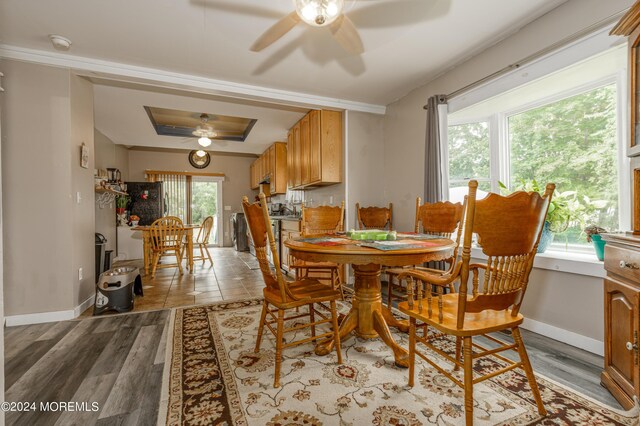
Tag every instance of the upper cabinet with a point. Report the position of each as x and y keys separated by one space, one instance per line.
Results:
x=315 y=150
x=271 y=166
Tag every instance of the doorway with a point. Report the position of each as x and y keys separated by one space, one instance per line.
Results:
x=206 y=200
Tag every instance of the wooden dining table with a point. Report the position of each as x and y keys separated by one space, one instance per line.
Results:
x=368 y=316
x=146 y=238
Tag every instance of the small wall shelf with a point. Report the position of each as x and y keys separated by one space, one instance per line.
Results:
x=107 y=196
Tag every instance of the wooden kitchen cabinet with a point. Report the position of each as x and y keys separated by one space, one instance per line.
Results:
x=289 y=228
x=315 y=143
x=272 y=164
x=621 y=373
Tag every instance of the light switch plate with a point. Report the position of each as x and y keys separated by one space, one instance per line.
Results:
x=80 y=274
x=78 y=197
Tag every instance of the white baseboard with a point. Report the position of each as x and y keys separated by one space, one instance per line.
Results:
x=569 y=337
x=84 y=305
x=42 y=317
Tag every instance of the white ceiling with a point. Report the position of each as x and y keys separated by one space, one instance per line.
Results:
x=407 y=42
x=119 y=114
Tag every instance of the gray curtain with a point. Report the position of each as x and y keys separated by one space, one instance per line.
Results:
x=433 y=152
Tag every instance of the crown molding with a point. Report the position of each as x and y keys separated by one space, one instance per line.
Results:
x=91 y=67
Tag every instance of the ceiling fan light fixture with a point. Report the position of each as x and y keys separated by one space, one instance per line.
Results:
x=200 y=153
x=204 y=141
x=318 y=13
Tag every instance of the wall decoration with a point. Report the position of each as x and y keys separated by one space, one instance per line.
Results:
x=84 y=156
x=199 y=159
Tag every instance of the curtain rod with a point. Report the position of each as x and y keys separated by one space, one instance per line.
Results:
x=540 y=53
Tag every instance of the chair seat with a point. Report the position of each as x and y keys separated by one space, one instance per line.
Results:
x=306 y=291
x=475 y=324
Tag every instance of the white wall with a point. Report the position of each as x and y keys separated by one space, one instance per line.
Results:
x=570 y=302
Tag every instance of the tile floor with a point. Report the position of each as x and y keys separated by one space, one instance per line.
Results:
x=234 y=275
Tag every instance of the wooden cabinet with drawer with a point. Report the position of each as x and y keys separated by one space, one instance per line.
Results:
x=289 y=228
x=621 y=373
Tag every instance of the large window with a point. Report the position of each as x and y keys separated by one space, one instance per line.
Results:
x=569 y=138
x=571 y=142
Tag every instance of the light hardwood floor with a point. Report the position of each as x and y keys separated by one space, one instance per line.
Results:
x=117 y=360
x=233 y=275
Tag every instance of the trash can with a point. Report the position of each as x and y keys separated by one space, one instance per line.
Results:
x=108 y=258
x=101 y=243
x=115 y=290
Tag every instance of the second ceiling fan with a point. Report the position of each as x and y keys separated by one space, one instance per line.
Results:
x=317 y=13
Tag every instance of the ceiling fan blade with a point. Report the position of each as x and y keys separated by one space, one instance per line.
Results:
x=274 y=33
x=347 y=35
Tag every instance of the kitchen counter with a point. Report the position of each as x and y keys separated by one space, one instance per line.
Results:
x=287 y=217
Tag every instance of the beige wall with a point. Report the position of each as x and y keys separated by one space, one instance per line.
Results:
x=83 y=244
x=37 y=196
x=235 y=168
x=108 y=155
x=567 y=301
x=365 y=158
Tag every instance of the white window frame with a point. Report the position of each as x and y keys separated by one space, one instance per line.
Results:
x=500 y=162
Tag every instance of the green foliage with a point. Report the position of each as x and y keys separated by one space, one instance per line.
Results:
x=469 y=151
x=122 y=201
x=572 y=143
x=203 y=200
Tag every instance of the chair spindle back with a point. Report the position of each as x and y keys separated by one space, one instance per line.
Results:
x=166 y=232
x=508 y=230
x=205 y=230
x=322 y=220
x=257 y=216
x=375 y=217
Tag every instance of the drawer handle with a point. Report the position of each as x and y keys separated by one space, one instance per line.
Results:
x=629 y=265
x=630 y=346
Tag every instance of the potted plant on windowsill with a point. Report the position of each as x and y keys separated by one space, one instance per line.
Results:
x=593 y=236
x=558 y=216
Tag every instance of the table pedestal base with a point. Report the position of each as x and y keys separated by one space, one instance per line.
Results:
x=368 y=317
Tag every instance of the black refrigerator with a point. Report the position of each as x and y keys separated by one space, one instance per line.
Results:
x=147 y=201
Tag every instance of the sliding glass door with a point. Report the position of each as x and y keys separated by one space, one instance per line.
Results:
x=206 y=201
x=192 y=199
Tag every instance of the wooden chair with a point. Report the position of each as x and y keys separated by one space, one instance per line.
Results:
x=285 y=295
x=443 y=219
x=202 y=240
x=508 y=230
x=166 y=236
x=315 y=221
x=375 y=217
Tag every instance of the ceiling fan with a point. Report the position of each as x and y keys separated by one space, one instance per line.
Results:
x=317 y=13
x=204 y=131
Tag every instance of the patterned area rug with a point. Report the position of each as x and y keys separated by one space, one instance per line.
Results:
x=212 y=377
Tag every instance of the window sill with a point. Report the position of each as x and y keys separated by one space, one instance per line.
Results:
x=561 y=261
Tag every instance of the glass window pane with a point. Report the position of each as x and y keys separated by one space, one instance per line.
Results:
x=204 y=202
x=469 y=152
x=573 y=143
